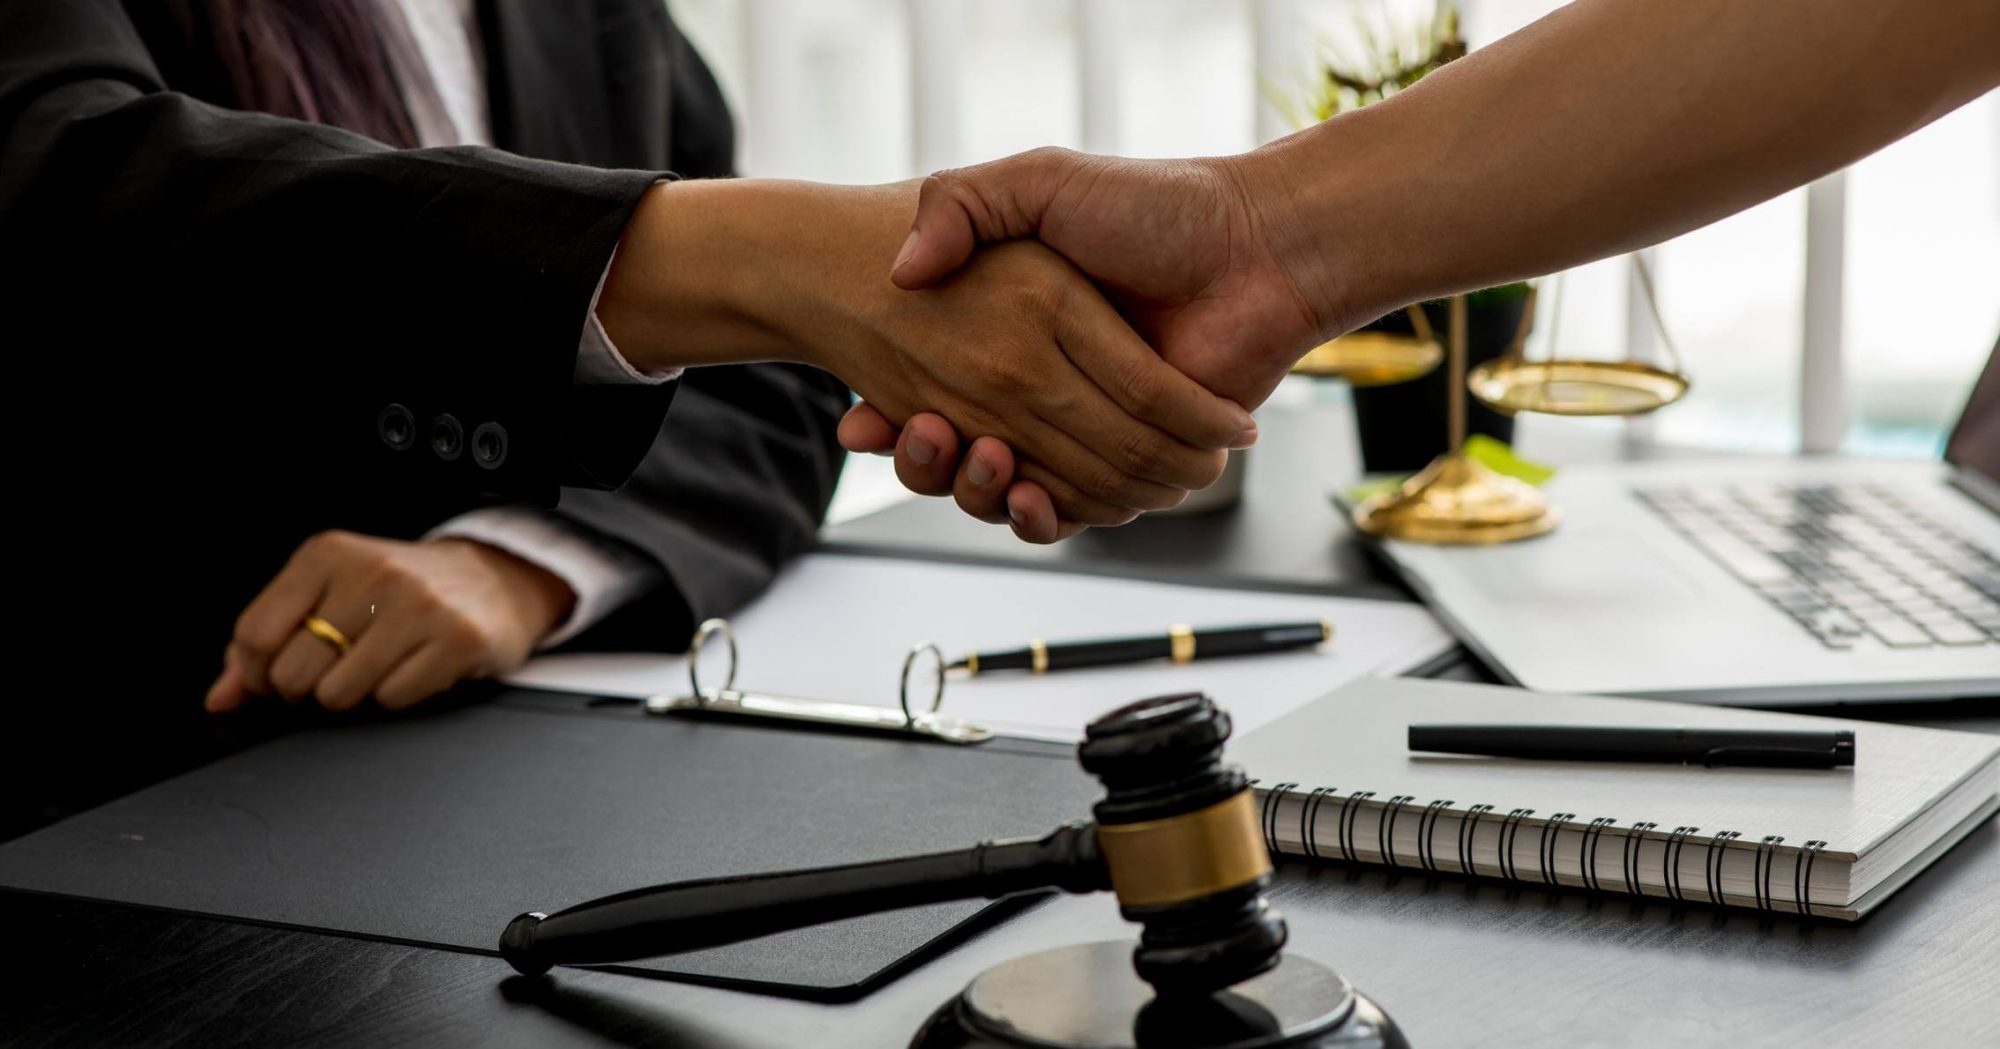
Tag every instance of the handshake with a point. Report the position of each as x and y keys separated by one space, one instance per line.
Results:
x=1062 y=340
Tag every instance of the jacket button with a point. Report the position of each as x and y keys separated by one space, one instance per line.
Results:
x=447 y=438
x=397 y=427
x=489 y=445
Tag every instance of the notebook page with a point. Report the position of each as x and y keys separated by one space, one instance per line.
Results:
x=838 y=627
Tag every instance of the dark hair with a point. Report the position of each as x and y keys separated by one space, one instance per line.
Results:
x=326 y=61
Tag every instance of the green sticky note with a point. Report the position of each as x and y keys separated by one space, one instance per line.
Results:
x=1498 y=457
x=1495 y=455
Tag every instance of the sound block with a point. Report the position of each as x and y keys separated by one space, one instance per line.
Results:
x=1087 y=997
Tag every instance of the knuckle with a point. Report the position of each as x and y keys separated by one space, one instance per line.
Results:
x=331 y=542
x=1113 y=486
x=258 y=635
x=1039 y=301
x=1141 y=388
x=335 y=695
x=385 y=577
x=1143 y=454
x=949 y=183
x=1049 y=156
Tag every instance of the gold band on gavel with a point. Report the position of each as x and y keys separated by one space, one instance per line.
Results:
x=1181 y=636
x=1186 y=857
x=1038 y=656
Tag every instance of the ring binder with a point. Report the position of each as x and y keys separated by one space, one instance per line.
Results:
x=728 y=701
x=1718 y=850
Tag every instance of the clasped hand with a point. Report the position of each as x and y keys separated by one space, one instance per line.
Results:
x=1183 y=249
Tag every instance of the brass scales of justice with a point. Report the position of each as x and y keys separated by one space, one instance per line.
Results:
x=1457 y=500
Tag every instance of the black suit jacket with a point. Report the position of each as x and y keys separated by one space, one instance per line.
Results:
x=229 y=331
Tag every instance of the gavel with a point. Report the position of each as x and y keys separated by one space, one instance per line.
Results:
x=1175 y=837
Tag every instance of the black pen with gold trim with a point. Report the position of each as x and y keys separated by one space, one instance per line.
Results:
x=1181 y=644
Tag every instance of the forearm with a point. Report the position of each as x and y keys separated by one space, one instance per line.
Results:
x=739 y=271
x=1609 y=125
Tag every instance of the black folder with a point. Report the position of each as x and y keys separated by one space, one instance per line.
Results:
x=436 y=830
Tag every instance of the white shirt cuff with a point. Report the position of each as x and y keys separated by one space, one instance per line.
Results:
x=598 y=362
x=604 y=575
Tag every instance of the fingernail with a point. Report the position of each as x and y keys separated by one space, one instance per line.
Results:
x=980 y=472
x=1015 y=515
x=1245 y=437
x=909 y=249
x=922 y=452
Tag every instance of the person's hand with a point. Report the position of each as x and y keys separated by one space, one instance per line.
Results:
x=1019 y=347
x=1183 y=247
x=419 y=617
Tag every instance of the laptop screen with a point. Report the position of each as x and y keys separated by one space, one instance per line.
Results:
x=1975 y=444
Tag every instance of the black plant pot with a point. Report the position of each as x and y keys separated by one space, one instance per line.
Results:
x=1406 y=425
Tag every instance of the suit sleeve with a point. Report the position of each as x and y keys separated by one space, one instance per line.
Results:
x=428 y=300
x=737 y=485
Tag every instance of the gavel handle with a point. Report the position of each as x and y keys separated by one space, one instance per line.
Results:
x=691 y=915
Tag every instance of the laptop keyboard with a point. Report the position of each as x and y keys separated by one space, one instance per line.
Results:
x=1847 y=561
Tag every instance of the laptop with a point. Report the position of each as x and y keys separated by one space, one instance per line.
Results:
x=1771 y=582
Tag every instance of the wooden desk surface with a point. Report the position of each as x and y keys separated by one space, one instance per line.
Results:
x=1455 y=963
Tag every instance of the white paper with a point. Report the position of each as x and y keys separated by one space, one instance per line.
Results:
x=838 y=627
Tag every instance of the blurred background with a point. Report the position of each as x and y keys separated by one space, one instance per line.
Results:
x=1905 y=300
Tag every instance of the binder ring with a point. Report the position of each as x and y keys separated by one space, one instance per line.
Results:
x=1385 y=829
x=729 y=702
x=708 y=629
x=1309 y=821
x=937 y=694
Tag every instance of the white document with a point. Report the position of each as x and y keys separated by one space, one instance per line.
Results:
x=838 y=627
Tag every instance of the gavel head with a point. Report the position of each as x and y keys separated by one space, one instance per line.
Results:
x=1180 y=841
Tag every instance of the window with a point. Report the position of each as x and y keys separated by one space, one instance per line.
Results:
x=828 y=89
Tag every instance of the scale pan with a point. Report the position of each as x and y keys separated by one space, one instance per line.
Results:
x=1575 y=387
x=1372 y=358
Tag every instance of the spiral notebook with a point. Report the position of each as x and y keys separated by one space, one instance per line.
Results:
x=1336 y=781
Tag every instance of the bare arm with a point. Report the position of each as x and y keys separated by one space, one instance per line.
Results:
x=1607 y=126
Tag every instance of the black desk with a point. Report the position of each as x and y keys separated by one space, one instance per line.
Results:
x=1457 y=964
x=1287 y=535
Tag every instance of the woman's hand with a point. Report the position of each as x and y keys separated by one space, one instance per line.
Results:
x=1018 y=346
x=418 y=618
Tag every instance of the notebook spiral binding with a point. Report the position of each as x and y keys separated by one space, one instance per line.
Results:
x=1765 y=852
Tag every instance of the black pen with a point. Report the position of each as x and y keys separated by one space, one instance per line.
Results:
x=1770 y=748
x=1182 y=644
